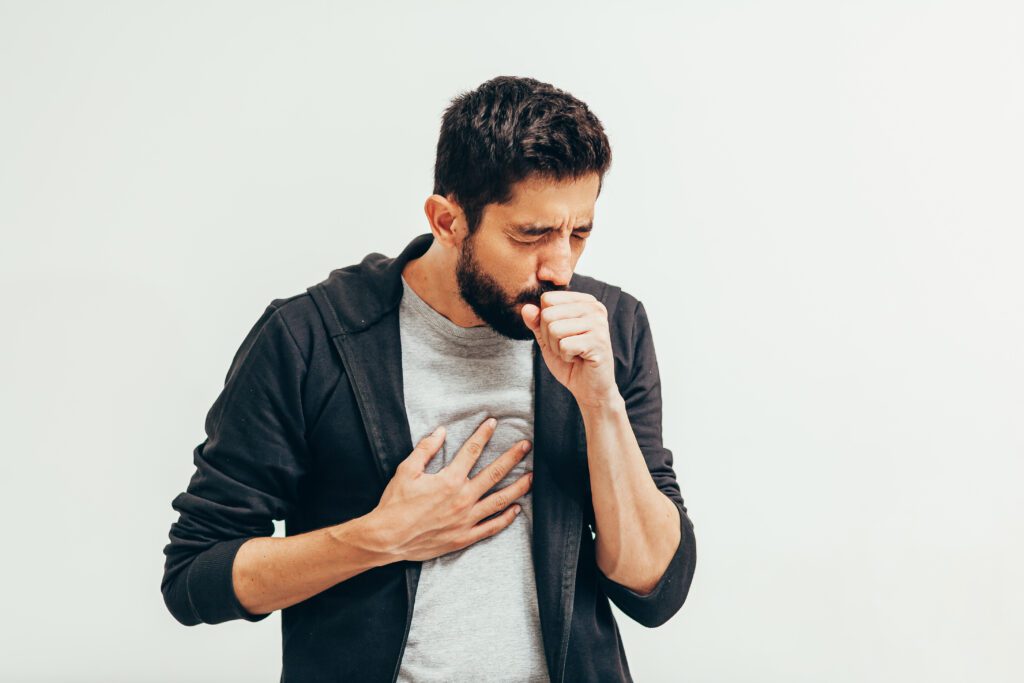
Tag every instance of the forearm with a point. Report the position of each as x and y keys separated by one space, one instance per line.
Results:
x=637 y=525
x=273 y=573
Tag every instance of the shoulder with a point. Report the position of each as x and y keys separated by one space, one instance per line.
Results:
x=622 y=306
x=300 y=317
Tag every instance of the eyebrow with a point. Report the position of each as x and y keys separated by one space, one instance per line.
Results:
x=534 y=230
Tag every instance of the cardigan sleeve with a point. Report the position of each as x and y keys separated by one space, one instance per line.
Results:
x=642 y=395
x=246 y=475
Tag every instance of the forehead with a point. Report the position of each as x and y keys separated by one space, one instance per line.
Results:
x=544 y=202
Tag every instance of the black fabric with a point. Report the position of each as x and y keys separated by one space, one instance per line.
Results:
x=308 y=429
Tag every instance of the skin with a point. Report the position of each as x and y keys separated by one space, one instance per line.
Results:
x=531 y=269
x=523 y=263
x=519 y=281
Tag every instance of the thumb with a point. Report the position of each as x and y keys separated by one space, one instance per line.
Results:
x=531 y=316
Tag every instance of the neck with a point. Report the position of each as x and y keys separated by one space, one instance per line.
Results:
x=432 y=277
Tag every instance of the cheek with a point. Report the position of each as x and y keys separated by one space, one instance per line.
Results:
x=577 y=252
x=515 y=269
x=500 y=258
x=513 y=275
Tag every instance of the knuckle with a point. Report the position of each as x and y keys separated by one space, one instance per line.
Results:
x=450 y=483
x=461 y=502
x=501 y=501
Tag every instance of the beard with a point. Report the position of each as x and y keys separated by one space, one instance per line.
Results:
x=487 y=299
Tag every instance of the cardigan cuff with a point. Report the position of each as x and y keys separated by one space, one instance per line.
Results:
x=211 y=592
x=658 y=606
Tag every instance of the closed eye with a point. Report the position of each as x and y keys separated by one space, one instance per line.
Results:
x=578 y=235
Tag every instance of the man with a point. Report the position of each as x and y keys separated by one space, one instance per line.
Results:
x=490 y=550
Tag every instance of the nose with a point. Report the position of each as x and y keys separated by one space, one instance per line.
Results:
x=556 y=262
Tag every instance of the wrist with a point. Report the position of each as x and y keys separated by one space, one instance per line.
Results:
x=369 y=535
x=609 y=405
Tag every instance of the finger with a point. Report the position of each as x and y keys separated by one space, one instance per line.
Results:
x=559 y=330
x=427 y=447
x=551 y=313
x=585 y=346
x=563 y=296
x=543 y=318
x=470 y=452
x=573 y=309
x=493 y=474
x=531 y=316
x=493 y=525
x=542 y=329
x=502 y=498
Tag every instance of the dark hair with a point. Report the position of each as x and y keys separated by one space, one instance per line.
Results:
x=509 y=128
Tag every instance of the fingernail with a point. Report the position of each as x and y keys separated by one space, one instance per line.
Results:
x=517 y=509
x=526 y=446
x=491 y=422
x=438 y=431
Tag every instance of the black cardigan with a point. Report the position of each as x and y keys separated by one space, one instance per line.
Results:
x=311 y=425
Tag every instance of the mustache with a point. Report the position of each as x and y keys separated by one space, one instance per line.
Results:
x=533 y=296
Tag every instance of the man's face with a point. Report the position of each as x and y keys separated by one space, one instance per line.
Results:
x=525 y=248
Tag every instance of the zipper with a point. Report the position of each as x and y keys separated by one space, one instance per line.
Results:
x=366 y=409
x=411 y=597
x=563 y=650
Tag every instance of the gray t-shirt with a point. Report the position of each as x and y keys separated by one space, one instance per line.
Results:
x=475 y=615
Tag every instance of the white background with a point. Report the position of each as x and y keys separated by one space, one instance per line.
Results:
x=818 y=202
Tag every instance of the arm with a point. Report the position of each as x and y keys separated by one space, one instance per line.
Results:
x=645 y=540
x=638 y=528
x=221 y=562
x=274 y=573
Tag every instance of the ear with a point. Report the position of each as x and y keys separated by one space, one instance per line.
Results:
x=444 y=216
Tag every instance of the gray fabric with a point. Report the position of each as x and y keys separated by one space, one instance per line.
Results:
x=475 y=615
